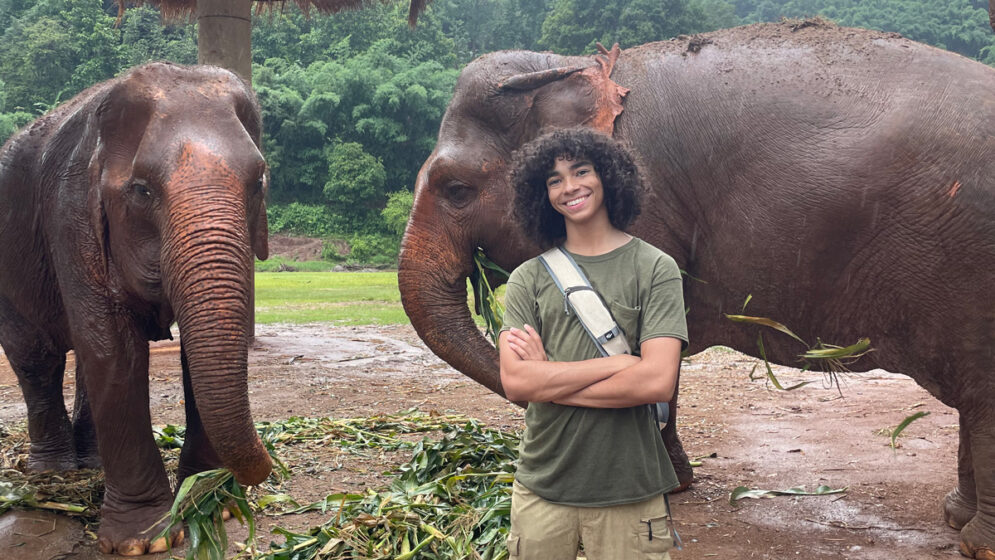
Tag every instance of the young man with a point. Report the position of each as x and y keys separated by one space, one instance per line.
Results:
x=593 y=467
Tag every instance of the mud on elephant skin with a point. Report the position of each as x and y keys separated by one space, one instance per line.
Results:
x=137 y=203
x=841 y=177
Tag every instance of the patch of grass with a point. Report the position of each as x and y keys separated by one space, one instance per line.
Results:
x=345 y=298
x=348 y=298
x=279 y=264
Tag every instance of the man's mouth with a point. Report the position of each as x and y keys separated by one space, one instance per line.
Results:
x=576 y=201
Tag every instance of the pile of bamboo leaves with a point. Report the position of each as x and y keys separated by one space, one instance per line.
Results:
x=77 y=493
x=450 y=501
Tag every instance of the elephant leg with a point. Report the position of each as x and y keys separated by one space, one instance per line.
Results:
x=40 y=368
x=961 y=503
x=198 y=454
x=137 y=492
x=84 y=432
x=977 y=538
x=682 y=465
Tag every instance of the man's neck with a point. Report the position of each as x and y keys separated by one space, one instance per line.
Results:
x=592 y=240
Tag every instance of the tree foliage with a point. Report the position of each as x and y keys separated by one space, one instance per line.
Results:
x=352 y=102
x=574 y=26
x=958 y=25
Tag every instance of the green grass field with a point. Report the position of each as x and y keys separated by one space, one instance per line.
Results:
x=345 y=298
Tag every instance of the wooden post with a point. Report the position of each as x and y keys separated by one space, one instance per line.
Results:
x=225 y=35
x=224 y=39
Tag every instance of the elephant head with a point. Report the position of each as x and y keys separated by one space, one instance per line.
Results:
x=463 y=197
x=177 y=210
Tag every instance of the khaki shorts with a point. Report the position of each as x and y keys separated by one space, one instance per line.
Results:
x=541 y=530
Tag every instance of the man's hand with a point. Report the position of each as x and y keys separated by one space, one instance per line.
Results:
x=527 y=344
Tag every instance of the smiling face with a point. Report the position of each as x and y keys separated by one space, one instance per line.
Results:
x=575 y=191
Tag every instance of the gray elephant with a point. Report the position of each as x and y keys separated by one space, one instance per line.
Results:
x=842 y=177
x=137 y=203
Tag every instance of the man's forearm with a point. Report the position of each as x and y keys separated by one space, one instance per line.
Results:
x=639 y=384
x=545 y=381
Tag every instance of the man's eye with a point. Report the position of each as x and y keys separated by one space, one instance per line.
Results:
x=552 y=182
x=583 y=171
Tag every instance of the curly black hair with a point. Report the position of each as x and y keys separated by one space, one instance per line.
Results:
x=530 y=166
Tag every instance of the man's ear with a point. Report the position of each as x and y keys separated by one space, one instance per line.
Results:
x=571 y=96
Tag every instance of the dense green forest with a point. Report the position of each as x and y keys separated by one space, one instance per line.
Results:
x=352 y=102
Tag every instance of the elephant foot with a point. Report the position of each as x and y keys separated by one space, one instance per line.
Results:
x=977 y=543
x=681 y=463
x=89 y=461
x=958 y=510
x=682 y=485
x=51 y=458
x=87 y=456
x=132 y=532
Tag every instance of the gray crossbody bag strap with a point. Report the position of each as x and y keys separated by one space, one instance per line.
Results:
x=590 y=310
x=579 y=296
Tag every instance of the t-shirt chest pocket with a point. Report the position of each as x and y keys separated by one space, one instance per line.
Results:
x=628 y=320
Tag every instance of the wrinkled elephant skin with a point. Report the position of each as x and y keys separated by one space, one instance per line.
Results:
x=844 y=178
x=135 y=204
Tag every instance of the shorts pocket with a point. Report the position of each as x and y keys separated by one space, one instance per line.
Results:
x=513 y=543
x=628 y=319
x=654 y=536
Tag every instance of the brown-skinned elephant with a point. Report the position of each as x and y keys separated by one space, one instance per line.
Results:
x=844 y=178
x=137 y=203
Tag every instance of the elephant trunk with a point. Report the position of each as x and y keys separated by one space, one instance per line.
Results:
x=207 y=270
x=432 y=282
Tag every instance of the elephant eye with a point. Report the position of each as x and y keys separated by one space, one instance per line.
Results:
x=261 y=184
x=459 y=194
x=142 y=190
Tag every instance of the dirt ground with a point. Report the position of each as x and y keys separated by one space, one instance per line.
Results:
x=749 y=435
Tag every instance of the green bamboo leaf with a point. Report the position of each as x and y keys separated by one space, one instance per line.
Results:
x=770 y=372
x=765 y=322
x=271 y=499
x=905 y=424
x=490 y=265
x=835 y=353
x=487 y=304
x=743 y=492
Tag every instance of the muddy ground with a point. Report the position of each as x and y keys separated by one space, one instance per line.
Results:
x=760 y=438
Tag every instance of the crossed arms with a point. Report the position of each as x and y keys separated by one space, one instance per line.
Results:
x=612 y=382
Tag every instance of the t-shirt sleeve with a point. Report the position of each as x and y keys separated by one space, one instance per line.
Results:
x=663 y=306
x=519 y=302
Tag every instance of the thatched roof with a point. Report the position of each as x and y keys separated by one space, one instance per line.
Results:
x=184 y=9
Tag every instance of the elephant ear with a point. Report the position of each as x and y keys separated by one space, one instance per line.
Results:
x=572 y=96
x=118 y=124
x=259 y=229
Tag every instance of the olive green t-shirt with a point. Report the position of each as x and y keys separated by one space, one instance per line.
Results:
x=597 y=456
